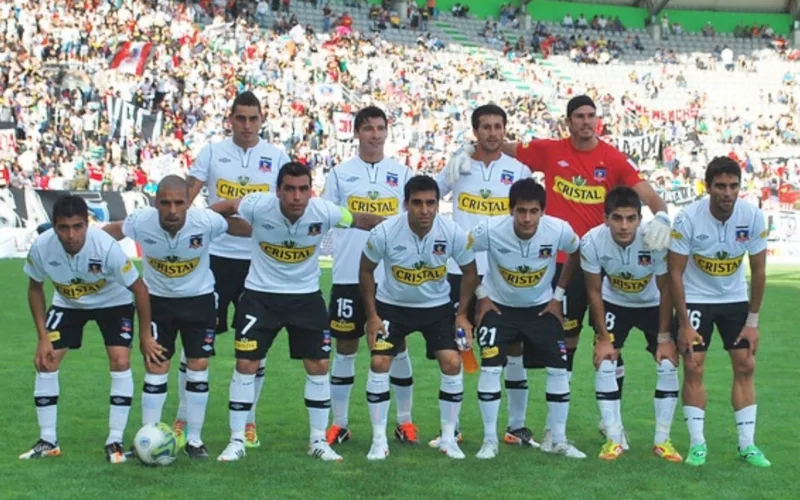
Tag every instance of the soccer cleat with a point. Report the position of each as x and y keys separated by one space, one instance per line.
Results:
x=42 y=449
x=753 y=456
x=520 y=437
x=488 y=450
x=567 y=449
x=115 y=453
x=379 y=450
x=667 y=451
x=233 y=452
x=602 y=430
x=407 y=433
x=434 y=443
x=337 y=435
x=196 y=452
x=697 y=455
x=547 y=441
x=322 y=450
x=179 y=428
x=611 y=450
x=251 y=436
x=450 y=448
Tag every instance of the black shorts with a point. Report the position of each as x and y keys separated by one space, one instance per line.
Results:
x=621 y=320
x=65 y=326
x=229 y=276
x=437 y=325
x=261 y=316
x=194 y=317
x=730 y=319
x=455 y=294
x=346 y=312
x=575 y=302
x=543 y=337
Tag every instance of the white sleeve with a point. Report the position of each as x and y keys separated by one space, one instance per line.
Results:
x=217 y=223
x=479 y=237
x=33 y=265
x=331 y=191
x=444 y=186
x=376 y=243
x=590 y=262
x=337 y=215
x=462 y=251
x=682 y=233
x=129 y=225
x=660 y=263
x=120 y=266
x=524 y=172
x=568 y=241
x=202 y=164
x=247 y=207
x=758 y=239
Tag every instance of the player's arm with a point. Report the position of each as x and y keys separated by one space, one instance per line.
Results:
x=666 y=348
x=194 y=185
x=238 y=227
x=365 y=221
x=568 y=243
x=45 y=358
x=344 y=218
x=532 y=154
x=227 y=208
x=677 y=259
x=373 y=253
x=366 y=285
x=757 y=249
x=151 y=350
x=115 y=230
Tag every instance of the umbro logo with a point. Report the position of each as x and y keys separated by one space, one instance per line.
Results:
x=125 y=335
x=399 y=248
x=150 y=241
x=605 y=258
x=373 y=398
x=503 y=250
x=352 y=179
x=224 y=160
x=43 y=401
x=150 y=388
x=563 y=164
x=268 y=227
x=201 y=387
x=236 y=406
x=702 y=237
x=326 y=348
x=118 y=401
x=207 y=348
x=54 y=263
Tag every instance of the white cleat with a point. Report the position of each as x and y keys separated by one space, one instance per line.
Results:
x=568 y=450
x=547 y=441
x=379 y=450
x=450 y=448
x=322 y=450
x=233 y=452
x=488 y=450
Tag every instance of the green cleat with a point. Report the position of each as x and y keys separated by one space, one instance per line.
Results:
x=753 y=456
x=179 y=428
x=697 y=455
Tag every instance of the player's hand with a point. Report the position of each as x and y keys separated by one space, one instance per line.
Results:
x=463 y=322
x=460 y=163
x=152 y=351
x=667 y=350
x=603 y=349
x=750 y=334
x=553 y=307
x=687 y=339
x=657 y=233
x=374 y=328
x=482 y=307
x=45 y=358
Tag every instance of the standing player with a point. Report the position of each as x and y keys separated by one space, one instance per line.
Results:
x=232 y=168
x=627 y=297
x=369 y=183
x=414 y=296
x=91 y=276
x=517 y=303
x=478 y=195
x=287 y=232
x=174 y=240
x=709 y=242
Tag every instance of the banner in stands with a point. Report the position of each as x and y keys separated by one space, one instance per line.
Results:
x=127 y=119
x=159 y=167
x=344 y=125
x=325 y=93
x=678 y=196
x=34 y=207
x=8 y=141
x=642 y=147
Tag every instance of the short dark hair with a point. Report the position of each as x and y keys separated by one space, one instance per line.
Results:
x=487 y=110
x=293 y=169
x=246 y=98
x=527 y=190
x=420 y=183
x=70 y=206
x=722 y=165
x=622 y=197
x=369 y=112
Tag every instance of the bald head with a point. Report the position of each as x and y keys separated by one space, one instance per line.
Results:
x=172 y=202
x=172 y=183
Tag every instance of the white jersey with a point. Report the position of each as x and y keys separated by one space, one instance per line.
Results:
x=481 y=194
x=231 y=172
x=362 y=187
x=176 y=267
x=714 y=272
x=416 y=270
x=98 y=276
x=520 y=271
x=629 y=272
x=285 y=256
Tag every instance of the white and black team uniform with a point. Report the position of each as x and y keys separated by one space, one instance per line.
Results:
x=230 y=172
x=714 y=279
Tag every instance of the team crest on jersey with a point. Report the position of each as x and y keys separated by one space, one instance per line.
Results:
x=392 y=179
x=742 y=234
x=439 y=247
x=600 y=173
x=95 y=266
x=265 y=164
x=315 y=228
x=507 y=177
x=645 y=258
x=196 y=241
x=545 y=251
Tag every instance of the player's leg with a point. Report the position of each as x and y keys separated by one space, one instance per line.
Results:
x=162 y=327
x=402 y=382
x=618 y=324
x=574 y=309
x=730 y=322
x=347 y=327
x=694 y=392
x=493 y=339
x=516 y=383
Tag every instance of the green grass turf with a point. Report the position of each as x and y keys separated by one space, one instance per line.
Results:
x=281 y=468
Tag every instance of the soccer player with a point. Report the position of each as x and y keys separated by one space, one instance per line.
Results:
x=174 y=239
x=92 y=277
x=415 y=296
x=230 y=169
x=516 y=303
x=709 y=242
x=371 y=183
x=627 y=286
x=282 y=290
x=479 y=195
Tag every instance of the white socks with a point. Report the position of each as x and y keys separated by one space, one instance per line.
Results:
x=378 y=400
x=665 y=399
x=45 y=397
x=318 y=404
x=451 y=393
x=695 y=420
x=746 y=425
x=181 y=415
x=242 y=393
x=608 y=398
x=516 y=391
x=121 y=397
x=342 y=379
x=154 y=394
x=400 y=376
x=489 y=400
x=557 y=395
x=196 y=403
